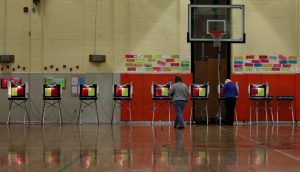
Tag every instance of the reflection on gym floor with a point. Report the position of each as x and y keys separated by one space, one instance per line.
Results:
x=149 y=148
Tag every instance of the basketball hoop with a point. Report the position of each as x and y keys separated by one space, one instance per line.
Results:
x=217 y=36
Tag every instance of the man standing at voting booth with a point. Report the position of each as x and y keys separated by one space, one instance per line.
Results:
x=230 y=94
x=179 y=95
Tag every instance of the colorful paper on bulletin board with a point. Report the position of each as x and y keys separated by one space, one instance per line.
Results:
x=130 y=56
x=276 y=65
x=272 y=57
x=238 y=66
x=267 y=69
x=258 y=65
x=238 y=62
x=263 y=57
x=157 y=69
x=185 y=69
x=282 y=57
x=139 y=60
x=138 y=65
x=238 y=57
x=238 y=69
x=185 y=65
x=170 y=60
x=249 y=64
x=147 y=56
x=175 y=68
x=275 y=69
x=130 y=60
x=285 y=69
x=157 y=57
x=140 y=56
x=166 y=69
x=81 y=80
x=141 y=69
x=255 y=61
x=292 y=61
x=130 y=69
x=249 y=56
x=267 y=65
x=287 y=65
x=248 y=69
x=293 y=69
x=175 y=56
x=128 y=64
x=257 y=69
x=174 y=64
x=161 y=63
x=151 y=60
x=149 y=69
x=147 y=64
x=292 y=58
x=265 y=61
x=283 y=62
x=56 y=80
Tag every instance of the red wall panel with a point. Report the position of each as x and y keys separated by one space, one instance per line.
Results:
x=279 y=84
x=142 y=98
x=286 y=87
x=242 y=102
x=297 y=98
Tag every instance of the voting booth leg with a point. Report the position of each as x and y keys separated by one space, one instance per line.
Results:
x=250 y=113
x=256 y=111
x=277 y=109
x=60 y=117
x=113 y=114
x=271 y=111
x=206 y=109
x=153 y=111
x=191 y=112
x=9 y=109
x=129 y=109
x=292 y=109
x=43 y=114
x=169 y=110
x=26 y=113
x=266 y=112
x=96 y=108
x=79 y=115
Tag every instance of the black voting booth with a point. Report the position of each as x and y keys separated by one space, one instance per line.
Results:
x=17 y=97
x=88 y=98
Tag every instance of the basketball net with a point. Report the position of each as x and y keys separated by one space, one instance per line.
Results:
x=217 y=37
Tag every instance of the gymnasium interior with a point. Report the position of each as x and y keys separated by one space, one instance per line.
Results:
x=84 y=85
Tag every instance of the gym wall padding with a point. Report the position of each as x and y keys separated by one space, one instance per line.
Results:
x=141 y=105
x=279 y=85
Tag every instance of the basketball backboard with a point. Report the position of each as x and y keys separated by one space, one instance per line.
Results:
x=206 y=18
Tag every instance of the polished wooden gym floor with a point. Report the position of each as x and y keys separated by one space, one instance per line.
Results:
x=146 y=148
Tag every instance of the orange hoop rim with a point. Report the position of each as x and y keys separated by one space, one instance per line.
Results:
x=216 y=33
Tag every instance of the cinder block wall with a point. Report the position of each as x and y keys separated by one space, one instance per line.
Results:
x=272 y=27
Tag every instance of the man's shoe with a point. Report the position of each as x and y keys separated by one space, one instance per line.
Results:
x=180 y=128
